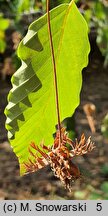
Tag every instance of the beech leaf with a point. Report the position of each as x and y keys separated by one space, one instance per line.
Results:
x=31 y=110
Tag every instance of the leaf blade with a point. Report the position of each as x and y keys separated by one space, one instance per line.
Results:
x=34 y=117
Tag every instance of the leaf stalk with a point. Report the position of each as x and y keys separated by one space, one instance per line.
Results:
x=54 y=67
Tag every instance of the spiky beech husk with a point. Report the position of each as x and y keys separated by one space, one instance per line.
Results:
x=59 y=157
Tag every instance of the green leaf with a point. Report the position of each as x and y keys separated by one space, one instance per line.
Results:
x=104 y=187
x=104 y=126
x=80 y=195
x=4 y=23
x=2 y=46
x=95 y=196
x=104 y=169
x=31 y=111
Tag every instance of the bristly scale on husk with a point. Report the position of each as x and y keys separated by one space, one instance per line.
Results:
x=59 y=157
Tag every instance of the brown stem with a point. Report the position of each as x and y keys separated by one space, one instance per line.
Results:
x=54 y=66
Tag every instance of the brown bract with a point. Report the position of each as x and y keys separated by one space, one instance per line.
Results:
x=59 y=157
